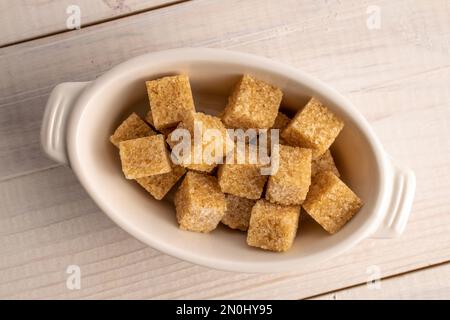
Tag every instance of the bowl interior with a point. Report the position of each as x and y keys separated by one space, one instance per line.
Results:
x=122 y=91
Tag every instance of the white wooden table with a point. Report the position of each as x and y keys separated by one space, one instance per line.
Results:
x=397 y=72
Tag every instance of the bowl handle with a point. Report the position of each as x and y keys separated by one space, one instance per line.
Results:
x=57 y=112
x=399 y=208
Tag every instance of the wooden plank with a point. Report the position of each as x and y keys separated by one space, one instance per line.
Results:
x=21 y=20
x=396 y=79
x=431 y=283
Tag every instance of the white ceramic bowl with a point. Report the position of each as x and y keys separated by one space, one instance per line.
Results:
x=80 y=117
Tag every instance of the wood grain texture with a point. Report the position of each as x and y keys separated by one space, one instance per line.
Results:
x=42 y=236
x=21 y=20
x=397 y=76
x=431 y=283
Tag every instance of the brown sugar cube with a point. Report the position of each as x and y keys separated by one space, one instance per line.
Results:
x=281 y=121
x=171 y=141
x=203 y=123
x=290 y=184
x=199 y=203
x=164 y=131
x=186 y=162
x=238 y=210
x=313 y=127
x=144 y=157
x=149 y=118
x=201 y=167
x=241 y=179
x=170 y=100
x=206 y=121
x=324 y=163
x=132 y=128
x=272 y=226
x=158 y=186
x=252 y=104
x=330 y=202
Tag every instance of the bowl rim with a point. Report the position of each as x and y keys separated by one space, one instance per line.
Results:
x=248 y=60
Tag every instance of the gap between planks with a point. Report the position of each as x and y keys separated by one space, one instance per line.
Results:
x=390 y=277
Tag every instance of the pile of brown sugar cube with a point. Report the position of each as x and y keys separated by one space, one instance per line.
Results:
x=238 y=195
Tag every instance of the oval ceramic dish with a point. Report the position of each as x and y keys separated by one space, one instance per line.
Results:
x=80 y=117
